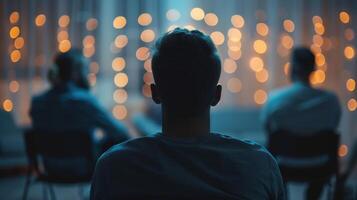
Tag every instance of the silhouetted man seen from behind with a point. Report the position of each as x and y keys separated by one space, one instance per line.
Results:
x=186 y=160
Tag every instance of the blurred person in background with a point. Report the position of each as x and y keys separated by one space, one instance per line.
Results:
x=301 y=108
x=68 y=106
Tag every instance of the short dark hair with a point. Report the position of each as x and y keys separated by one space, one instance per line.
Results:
x=303 y=62
x=186 y=69
x=68 y=63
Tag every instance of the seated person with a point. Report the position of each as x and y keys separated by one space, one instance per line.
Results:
x=69 y=106
x=186 y=160
x=299 y=107
x=302 y=109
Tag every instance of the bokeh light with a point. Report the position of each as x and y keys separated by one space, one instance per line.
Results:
x=351 y=84
x=19 y=42
x=318 y=40
x=229 y=66
x=88 y=41
x=91 y=24
x=256 y=64
x=319 y=28
x=197 y=14
x=64 y=46
x=260 y=46
x=14 y=86
x=289 y=25
x=147 y=35
x=342 y=150
x=120 y=112
x=118 y=64
x=14 y=32
x=121 y=41
x=287 y=68
x=317 y=77
x=237 y=21
x=211 y=19
x=15 y=56
x=262 y=29
x=352 y=104
x=120 y=96
x=142 y=53
x=121 y=79
x=119 y=22
x=349 y=52
x=287 y=41
x=319 y=59
x=234 y=34
x=260 y=96
x=147 y=65
x=7 y=105
x=173 y=15
x=145 y=19
x=349 y=34
x=14 y=17
x=234 y=85
x=88 y=51
x=235 y=55
x=316 y=19
x=62 y=35
x=262 y=76
x=63 y=21
x=146 y=90
x=344 y=17
x=217 y=38
x=40 y=20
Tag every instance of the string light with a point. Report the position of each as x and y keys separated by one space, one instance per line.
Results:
x=234 y=85
x=352 y=104
x=120 y=96
x=63 y=21
x=91 y=24
x=40 y=20
x=7 y=105
x=351 y=84
x=229 y=66
x=197 y=14
x=120 y=112
x=19 y=42
x=260 y=97
x=344 y=17
x=121 y=79
x=173 y=15
x=260 y=46
x=142 y=53
x=147 y=35
x=145 y=19
x=342 y=150
x=349 y=52
x=118 y=64
x=15 y=56
x=14 y=86
x=14 y=32
x=211 y=19
x=14 y=17
x=217 y=38
x=237 y=21
x=262 y=76
x=256 y=64
x=121 y=41
x=289 y=25
x=262 y=29
x=119 y=22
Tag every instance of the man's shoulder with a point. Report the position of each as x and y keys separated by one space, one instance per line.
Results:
x=128 y=149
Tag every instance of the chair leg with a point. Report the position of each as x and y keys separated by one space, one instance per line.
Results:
x=27 y=185
x=52 y=192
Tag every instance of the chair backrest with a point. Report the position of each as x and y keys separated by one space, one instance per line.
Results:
x=301 y=146
x=61 y=157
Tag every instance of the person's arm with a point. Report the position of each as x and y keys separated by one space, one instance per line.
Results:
x=98 y=184
x=102 y=119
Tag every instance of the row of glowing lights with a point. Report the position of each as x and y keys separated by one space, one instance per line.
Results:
x=148 y=35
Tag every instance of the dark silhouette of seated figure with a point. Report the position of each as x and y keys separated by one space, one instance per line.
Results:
x=186 y=160
x=302 y=109
x=68 y=106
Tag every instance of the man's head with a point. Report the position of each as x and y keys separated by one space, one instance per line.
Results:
x=186 y=69
x=71 y=66
x=303 y=64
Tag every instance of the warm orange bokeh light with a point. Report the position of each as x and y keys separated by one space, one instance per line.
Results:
x=63 y=21
x=262 y=29
x=147 y=35
x=234 y=85
x=342 y=150
x=234 y=34
x=88 y=41
x=217 y=38
x=260 y=97
x=14 y=17
x=229 y=66
x=64 y=46
x=344 y=17
x=146 y=90
x=317 y=77
x=118 y=64
x=262 y=76
x=320 y=59
x=94 y=67
x=7 y=105
x=260 y=46
x=62 y=35
x=145 y=19
x=287 y=41
x=91 y=24
x=15 y=56
x=147 y=65
x=317 y=40
x=316 y=19
x=14 y=86
x=211 y=19
x=148 y=78
x=256 y=64
x=120 y=96
x=352 y=104
x=14 y=32
x=287 y=68
x=197 y=14
x=142 y=53
x=349 y=34
x=119 y=22
x=121 y=41
x=40 y=20
x=173 y=15
x=351 y=84
x=121 y=79
x=19 y=42
x=88 y=51
x=319 y=28
x=237 y=21
x=289 y=25
x=120 y=112
x=349 y=52
x=235 y=55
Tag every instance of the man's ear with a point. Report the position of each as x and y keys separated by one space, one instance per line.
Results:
x=217 y=95
x=155 y=95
